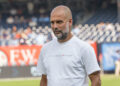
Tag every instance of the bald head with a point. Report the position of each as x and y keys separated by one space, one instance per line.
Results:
x=64 y=9
x=61 y=22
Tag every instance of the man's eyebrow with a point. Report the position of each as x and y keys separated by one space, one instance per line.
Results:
x=59 y=21
x=56 y=21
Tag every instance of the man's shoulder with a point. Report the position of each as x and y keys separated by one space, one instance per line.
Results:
x=82 y=44
x=49 y=44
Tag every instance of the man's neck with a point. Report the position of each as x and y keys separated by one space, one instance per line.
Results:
x=68 y=38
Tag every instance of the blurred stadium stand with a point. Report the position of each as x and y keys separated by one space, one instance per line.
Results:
x=17 y=16
x=103 y=32
x=105 y=15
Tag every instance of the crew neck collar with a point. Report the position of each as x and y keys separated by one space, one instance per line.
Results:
x=61 y=43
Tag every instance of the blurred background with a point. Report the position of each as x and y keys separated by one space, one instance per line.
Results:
x=25 y=27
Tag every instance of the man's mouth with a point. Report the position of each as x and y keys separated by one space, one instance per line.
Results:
x=57 y=32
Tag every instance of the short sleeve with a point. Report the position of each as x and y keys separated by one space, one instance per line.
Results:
x=40 y=65
x=89 y=60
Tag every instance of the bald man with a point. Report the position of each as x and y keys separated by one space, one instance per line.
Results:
x=67 y=60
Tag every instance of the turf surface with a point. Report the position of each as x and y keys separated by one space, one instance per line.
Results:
x=107 y=80
x=20 y=83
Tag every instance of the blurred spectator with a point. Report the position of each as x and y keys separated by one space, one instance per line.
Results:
x=22 y=39
x=34 y=19
x=32 y=23
x=30 y=7
x=4 y=38
x=41 y=18
x=40 y=38
x=109 y=26
x=116 y=57
x=19 y=11
x=29 y=33
x=27 y=37
x=75 y=30
x=14 y=37
x=10 y=20
x=0 y=18
x=16 y=20
x=50 y=37
x=13 y=11
x=13 y=32
x=5 y=35
x=18 y=35
x=104 y=4
x=42 y=11
x=22 y=19
x=101 y=26
x=46 y=19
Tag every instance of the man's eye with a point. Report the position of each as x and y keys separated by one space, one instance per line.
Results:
x=59 y=22
x=52 y=22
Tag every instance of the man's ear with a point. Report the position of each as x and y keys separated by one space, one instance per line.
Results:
x=70 y=22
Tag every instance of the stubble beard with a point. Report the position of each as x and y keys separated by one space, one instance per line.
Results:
x=63 y=34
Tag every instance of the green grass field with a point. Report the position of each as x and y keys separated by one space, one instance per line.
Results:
x=110 y=80
x=107 y=80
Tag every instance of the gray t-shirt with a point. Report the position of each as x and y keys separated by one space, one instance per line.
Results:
x=68 y=63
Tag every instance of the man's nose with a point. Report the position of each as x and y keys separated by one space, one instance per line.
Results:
x=55 y=25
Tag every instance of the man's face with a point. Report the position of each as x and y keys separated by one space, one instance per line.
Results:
x=59 y=25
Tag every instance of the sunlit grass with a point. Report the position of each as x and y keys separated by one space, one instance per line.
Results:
x=107 y=80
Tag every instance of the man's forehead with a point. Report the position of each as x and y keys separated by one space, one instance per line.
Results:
x=55 y=19
x=58 y=15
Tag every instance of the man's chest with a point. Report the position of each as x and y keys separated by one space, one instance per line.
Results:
x=62 y=58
